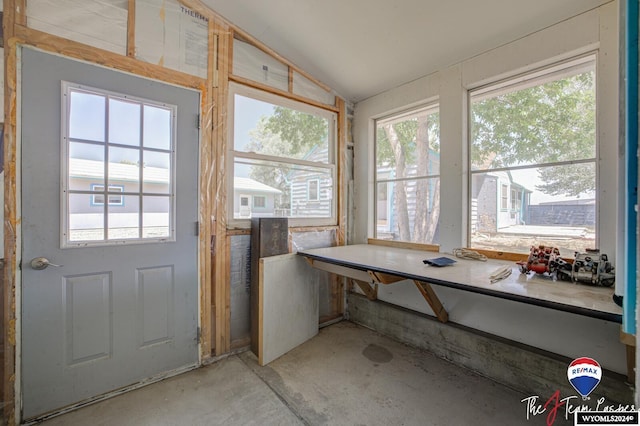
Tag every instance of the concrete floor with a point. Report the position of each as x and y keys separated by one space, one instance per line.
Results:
x=347 y=375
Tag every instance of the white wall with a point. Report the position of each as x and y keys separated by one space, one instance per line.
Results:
x=566 y=334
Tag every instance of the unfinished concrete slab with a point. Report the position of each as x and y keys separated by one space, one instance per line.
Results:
x=226 y=392
x=346 y=375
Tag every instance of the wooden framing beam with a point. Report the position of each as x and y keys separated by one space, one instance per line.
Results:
x=404 y=244
x=369 y=290
x=283 y=93
x=432 y=299
x=14 y=15
x=383 y=278
x=131 y=29
x=219 y=192
x=73 y=49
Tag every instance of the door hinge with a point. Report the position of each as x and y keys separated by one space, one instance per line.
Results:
x=198 y=121
x=197 y=229
x=198 y=334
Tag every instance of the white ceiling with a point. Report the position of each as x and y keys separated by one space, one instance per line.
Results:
x=363 y=47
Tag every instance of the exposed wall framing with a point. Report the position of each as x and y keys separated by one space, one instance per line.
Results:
x=214 y=234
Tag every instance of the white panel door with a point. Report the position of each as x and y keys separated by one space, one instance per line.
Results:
x=109 y=187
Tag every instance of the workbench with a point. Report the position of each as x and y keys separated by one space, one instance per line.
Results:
x=370 y=265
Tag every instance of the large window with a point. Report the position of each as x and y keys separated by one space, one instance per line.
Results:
x=407 y=176
x=119 y=149
x=279 y=147
x=533 y=143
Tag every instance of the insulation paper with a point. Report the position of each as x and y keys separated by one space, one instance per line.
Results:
x=252 y=63
x=97 y=23
x=304 y=87
x=240 y=277
x=170 y=35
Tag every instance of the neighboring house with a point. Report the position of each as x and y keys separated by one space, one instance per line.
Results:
x=86 y=211
x=497 y=202
x=311 y=190
x=253 y=199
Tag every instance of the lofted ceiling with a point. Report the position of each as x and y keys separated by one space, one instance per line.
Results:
x=364 y=47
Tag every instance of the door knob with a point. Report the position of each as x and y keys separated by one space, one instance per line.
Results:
x=39 y=263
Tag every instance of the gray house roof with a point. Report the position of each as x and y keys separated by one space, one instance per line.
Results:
x=247 y=184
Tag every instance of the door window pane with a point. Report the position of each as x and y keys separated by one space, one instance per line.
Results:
x=85 y=221
x=124 y=122
x=124 y=166
x=86 y=116
x=121 y=209
x=156 y=172
x=157 y=127
x=124 y=222
x=156 y=219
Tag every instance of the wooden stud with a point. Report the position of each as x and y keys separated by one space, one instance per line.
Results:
x=20 y=10
x=290 y=80
x=14 y=13
x=131 y=29
x=283 y=93
x=342 y=169
x=631 y=364
x=222 y=291
x=72 y=49
x=432 y=299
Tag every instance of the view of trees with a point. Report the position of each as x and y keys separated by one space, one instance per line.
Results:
x=537 y=125
x=547 y=123
x=407 y=145
x=286 y=133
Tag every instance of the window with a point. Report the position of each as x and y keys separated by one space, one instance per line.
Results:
x=259 y=201
x=109 y=138
x=536 y=135
x=114 y=199
x=313 y=189
x=503 y=197
x=407 y=176
x=278 y=147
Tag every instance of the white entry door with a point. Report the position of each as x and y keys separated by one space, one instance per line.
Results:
x=109 y=193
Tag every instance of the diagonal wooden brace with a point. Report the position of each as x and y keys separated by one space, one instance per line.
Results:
x=371 y=291
x=432 y=299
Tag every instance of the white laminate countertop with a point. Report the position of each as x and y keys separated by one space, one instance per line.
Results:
x=473 y=275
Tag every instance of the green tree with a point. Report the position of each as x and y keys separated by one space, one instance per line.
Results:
x=547 y=123
x=285 y=133
x=406 y=145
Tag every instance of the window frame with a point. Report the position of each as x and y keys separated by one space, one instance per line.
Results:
x=66 y=88
x=112 y=187
x=532 y=78
x=233 y=155
x=259 y=197
x=317 y=189
x=430 y=107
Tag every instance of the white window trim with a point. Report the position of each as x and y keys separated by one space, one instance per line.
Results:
x=317 y=182
x=112 y=188
x=331 y=166
x=397 y=116
x=534 y=77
